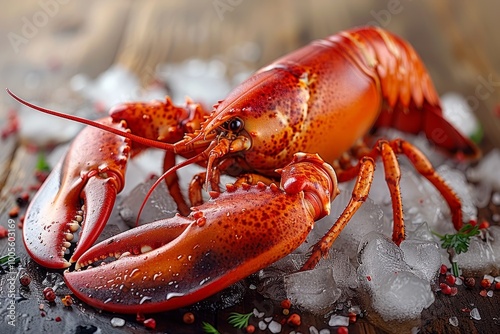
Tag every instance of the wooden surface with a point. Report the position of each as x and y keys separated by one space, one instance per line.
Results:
x=90 y=36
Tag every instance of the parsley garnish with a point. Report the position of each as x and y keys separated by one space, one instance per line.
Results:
x=459 y=241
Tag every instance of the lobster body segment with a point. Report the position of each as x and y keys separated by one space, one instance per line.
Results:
x=327 y=96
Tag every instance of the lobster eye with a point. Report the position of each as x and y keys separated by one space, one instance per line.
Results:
x=235 y=125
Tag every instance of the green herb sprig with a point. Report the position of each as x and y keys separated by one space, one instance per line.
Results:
x=209 y=329
x=42 y=165
x=239 y=320
x=458 y=243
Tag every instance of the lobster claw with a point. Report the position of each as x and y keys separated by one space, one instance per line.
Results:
x=176 y=262
x=82 y=190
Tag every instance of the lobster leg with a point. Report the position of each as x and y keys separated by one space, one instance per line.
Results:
x=185 y=259
x=196 y=186
x=172 y=182
x=388 y=150
x=424 y=167
x=359 y=196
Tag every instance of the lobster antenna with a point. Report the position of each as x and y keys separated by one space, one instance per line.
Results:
x=196 y=158
x=131 y=136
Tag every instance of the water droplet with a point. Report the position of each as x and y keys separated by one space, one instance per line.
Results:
x=135 y=271
x=145 y=299
x=171 y=295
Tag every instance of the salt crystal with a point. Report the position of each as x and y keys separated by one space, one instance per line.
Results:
x=274 y=327
x=490 y=293
x=458 y=281
x=117 y=322
x=268 y=319
x=489 y=278
x=474 y=313
x=262 y=325
x=355 y=309
x=257 y=314
x=313 y=330
x=324 y=331
x=453 y=321
x=338 y=320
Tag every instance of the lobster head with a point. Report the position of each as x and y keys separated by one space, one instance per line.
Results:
x=258 y=122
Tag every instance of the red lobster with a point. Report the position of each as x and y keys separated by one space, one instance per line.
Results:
x=325 y=98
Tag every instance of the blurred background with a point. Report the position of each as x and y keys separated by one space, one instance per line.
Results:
x=61 y=52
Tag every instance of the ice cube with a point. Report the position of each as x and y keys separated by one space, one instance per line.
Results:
x=487 y=170
x=379 y=259
x=368 y=218
x=482 y=256
x=314 y=290
x=344 y=272
x=481 y=194
x=457 y=181
x=271 y=278
x=396 y=293
x=459 y=113
x=402 y=297
x=421 y=233
x=421 y=201
x=423 y=257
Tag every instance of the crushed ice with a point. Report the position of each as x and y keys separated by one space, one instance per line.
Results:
x=400 y=288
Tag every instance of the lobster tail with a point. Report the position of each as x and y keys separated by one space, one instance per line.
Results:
x=411 y=103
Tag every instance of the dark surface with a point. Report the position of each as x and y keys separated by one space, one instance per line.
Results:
x=18 y=164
